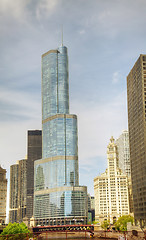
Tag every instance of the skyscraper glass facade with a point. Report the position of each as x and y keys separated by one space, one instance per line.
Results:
x=55 y=89
x=124 y=152
x=58 y=198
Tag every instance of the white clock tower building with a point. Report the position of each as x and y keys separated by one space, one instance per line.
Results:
x=111 y=189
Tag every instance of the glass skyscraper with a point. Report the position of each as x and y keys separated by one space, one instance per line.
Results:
x=58 y=198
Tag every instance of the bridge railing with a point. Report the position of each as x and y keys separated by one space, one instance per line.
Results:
x=59 y=228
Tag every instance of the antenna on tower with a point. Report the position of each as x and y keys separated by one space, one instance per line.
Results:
x=62 y=36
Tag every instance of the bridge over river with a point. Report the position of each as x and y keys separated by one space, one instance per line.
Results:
x=67 y=229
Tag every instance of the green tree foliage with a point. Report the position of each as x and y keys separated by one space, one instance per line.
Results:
x=105 y=224
x=95 y=222
x=15 y=231
x=121 y=224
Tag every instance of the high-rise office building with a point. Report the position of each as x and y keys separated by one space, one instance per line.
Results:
x=91 y=208
x=3 y=195
x=13 y=203
x=92 y=202
x=136 y=93
x=22 y=189
x=124 y=152
x=58 y=198
x=34 y=151
x=18 y=191
x=124 y=162
x=111 y=189
x=22 y=180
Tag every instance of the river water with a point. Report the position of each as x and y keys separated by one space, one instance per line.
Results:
x=73 y=236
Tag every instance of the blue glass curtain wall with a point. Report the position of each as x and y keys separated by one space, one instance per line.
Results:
x=60 y=204
x=52 y=174
x=60 y=137
x=55 y=86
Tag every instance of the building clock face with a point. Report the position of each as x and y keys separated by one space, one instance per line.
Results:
x=111 y=155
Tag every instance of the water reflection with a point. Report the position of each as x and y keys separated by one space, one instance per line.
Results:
x=71 y=236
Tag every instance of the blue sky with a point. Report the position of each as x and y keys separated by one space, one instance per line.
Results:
x=104 y=39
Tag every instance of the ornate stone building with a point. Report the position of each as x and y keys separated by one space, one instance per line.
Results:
x=111 y=189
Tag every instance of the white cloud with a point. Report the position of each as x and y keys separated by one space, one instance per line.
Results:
x=23 y=103
x=116 y=77
x=45 y=8
x=16 y=9
x=82 y=31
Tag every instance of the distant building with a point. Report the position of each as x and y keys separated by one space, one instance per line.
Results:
x=22 y=180
x=22 y=190
x=3 y=195
x=124 y=162
x=92 y=202
x=124 y=152
x=17 y=210
x=13 y=203
x=34 y=152
x=136 y=93
x=111 y=189
x=91 y=208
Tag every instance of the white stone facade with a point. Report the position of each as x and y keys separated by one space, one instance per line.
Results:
x=111 y=189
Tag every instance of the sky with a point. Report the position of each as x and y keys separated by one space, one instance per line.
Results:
x=104 y=39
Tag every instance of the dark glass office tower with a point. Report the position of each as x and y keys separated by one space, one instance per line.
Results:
x=58 y=198
x=34 y=151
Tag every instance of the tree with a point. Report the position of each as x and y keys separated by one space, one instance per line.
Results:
x=105 y=224
x=16 y=231
x=95 y=222
x=121 y=224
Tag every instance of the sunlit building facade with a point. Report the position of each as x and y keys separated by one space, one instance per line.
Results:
x=18 y=191
x=111 y=189
x=3 y=195
x=58 y=198
x=13 y=202
x=136 y=94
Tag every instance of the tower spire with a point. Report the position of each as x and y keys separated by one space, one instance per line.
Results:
x=62 y=36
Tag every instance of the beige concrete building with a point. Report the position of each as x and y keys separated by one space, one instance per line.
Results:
x=111 y=189
x=3 y=195
x=13 y=203
x=18 y=191
x=136 y=93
